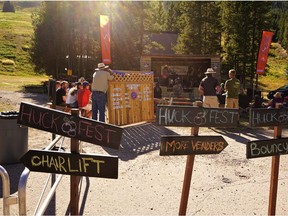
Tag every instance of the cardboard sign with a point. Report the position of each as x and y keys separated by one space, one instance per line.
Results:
x=268 y=117
x=265 y=148
x=71 y=164
x=187 y=116
x=189 y=145
x=65 y=124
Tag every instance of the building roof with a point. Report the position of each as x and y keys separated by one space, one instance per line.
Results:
x=159 y=42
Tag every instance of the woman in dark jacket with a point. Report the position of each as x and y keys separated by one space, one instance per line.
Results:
x=157 y=91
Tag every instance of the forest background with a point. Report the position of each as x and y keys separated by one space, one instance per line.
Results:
x=49 y=37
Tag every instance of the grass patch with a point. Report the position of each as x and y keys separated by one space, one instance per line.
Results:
x=16 y=31
x=18 y=83
x=277 y=65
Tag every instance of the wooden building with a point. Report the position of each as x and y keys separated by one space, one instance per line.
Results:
x=190 y=68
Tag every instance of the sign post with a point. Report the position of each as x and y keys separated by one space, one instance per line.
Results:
x=74 y=180
x=187 y=178
x=193 y=117
x=74 y=163
x=274 y=175
x=269 y=117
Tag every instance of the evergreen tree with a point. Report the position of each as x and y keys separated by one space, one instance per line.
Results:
x=126 y=34
x=48 y=50
x=199 y=28
x=156 y=16
x=280 y=17
x=173 y=14
x=67 y=35
x=243 y=23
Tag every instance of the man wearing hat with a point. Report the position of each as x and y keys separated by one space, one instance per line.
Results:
x=232 y=88
x=208 y=87
x=99 y=87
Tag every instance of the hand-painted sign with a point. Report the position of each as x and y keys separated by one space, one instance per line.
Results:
x=188 y=116
x=65 y=124
x=189 y=145
x=265 y=148
x=268 y=117
x=71 y=164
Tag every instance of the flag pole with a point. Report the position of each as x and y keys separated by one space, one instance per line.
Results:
x=256 y=86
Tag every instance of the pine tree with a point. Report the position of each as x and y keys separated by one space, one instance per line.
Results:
x=243 y=23
x=199 y=28
x=280 y=17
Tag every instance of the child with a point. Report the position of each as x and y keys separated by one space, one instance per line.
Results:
x=84 y=96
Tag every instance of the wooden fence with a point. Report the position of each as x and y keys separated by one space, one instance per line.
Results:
x=131 y=97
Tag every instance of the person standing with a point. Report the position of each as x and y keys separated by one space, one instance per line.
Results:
x=99 y=88
x=157 y=91
x=208 y=88
x=232 y=88
x=61 y=94
x=177 y=88
x=84 y=96
x=71 y=99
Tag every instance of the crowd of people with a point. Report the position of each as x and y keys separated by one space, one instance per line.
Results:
x=90 y=98
x=227 y=93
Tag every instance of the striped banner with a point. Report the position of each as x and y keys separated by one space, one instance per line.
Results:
x=263 y=52
x=105 y=39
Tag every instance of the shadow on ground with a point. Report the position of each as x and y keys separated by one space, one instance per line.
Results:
x=244 y=134
x=139 y=139
x=36 y=98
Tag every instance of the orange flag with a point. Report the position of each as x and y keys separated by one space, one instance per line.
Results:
x=263 y=51
x=105 y=39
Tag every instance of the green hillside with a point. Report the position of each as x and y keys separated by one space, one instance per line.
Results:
x=16 y=31
x=277 y=65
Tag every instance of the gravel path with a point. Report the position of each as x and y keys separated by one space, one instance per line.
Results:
x=149 y=184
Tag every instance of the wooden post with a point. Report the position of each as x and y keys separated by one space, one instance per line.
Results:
x=187 y=178
x=74 y=180
x=274 y=174
x=52 y=94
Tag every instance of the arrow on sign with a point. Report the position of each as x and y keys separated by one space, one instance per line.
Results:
x=192 y=145
x=265 y=148
x=71 y=164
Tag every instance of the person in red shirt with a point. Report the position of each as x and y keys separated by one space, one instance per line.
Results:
x=84 y=96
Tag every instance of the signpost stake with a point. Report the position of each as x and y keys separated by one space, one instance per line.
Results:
x=274 y=174
x=52 y=90
x=74 y=180
x=187 y=178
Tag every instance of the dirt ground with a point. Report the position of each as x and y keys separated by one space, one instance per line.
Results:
x=149 y=184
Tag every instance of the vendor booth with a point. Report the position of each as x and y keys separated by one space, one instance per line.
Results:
x=130 y=97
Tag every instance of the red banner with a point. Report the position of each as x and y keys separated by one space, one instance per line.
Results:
x=105 y=39
x=263 y=52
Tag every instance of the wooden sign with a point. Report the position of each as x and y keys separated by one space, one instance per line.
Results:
x=71 y=164
x=192 y=145
x=268 y=117
x=187 y=116
x=265 y=148
x=65 y=124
